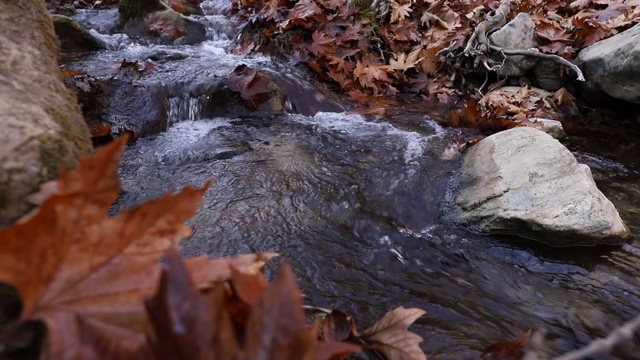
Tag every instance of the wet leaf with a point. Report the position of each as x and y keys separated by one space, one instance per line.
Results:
x=392 y=336
x=508 y=350
x=83 y=273
x=251 y=85
x=337 y=326
x=186 y=323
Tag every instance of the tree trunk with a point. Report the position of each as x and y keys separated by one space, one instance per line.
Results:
x=41 y=126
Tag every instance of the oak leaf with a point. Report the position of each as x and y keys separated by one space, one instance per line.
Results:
x=392 y=336
x=84 y=274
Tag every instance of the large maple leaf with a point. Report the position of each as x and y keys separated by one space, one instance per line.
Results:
x=189 y=324
x=84 y=274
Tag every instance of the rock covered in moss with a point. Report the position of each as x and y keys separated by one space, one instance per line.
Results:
x=524 y=182
x=42 y=127
x=74 y=37
x=141 y=18
x=132 y=11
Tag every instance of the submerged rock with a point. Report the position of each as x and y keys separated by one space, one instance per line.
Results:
x=524 y=182
x=612 y=66
x=134 y=11
x=74 y=37
x=141 y=18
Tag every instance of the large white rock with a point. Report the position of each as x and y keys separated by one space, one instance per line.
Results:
x=524 y=182
x=612 y=66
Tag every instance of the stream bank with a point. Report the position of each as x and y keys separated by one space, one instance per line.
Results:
x=353 y=203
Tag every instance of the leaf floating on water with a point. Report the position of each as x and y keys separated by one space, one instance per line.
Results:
x=392 y=337
x=508 y=350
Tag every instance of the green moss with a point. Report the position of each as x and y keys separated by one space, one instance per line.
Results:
x=131 y=10
x=65 y=150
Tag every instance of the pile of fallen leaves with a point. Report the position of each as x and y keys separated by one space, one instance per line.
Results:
x=92 y=287
x=386 y=47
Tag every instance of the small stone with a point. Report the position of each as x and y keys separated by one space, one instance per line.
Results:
x=551 y=127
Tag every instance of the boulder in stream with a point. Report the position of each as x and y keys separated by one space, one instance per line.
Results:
x=141 y=18
x=42 y=127
x=524 y=182
x=74 y=37
x=612 y=66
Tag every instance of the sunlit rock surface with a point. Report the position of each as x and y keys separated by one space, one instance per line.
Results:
x=524 y=182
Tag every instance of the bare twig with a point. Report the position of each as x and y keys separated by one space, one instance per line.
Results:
x=495 y=21
x=538 y=54
x=533 y=351
x=603 y=346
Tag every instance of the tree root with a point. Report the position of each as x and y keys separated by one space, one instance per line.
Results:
x=538 y=54
x=475 y=55
x=478 y=42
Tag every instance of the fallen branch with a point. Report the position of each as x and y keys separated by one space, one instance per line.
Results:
x=538 y=54
x=618 y=336
x=493 y=22
x=603 y=346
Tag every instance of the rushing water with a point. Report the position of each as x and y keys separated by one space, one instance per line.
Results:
x=354 y=205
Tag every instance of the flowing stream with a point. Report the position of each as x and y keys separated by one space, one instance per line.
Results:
x=354 y=204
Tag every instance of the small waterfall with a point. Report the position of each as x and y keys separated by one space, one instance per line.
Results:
x=216 y=19
x=186 y=108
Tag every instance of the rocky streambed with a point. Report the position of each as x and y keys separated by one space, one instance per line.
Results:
x=360 y=206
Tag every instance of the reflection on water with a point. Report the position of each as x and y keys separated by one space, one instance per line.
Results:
x=354 y=205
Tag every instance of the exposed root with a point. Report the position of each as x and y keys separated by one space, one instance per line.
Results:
x=475 y=57
x=538 y=54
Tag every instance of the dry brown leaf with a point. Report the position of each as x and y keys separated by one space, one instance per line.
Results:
x=186 y=323
x=562 y=97
x=405 y=61
x=399 y=11
x=276 y=327
x=392 y=336
x=508 y=350
x=207 y=272
x=84 y=274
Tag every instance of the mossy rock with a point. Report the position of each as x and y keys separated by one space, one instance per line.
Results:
x=137 y=10
x=74 y=37
x=160 y=22
x=42 y=126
